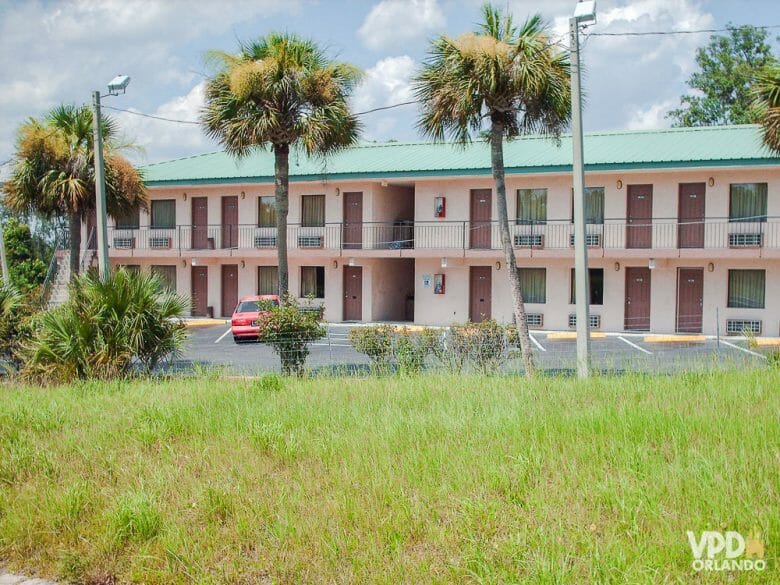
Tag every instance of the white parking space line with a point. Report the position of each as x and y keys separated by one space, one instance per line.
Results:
x=536 y=343
x=221 y=337
x=634 y=345
x=755 y=353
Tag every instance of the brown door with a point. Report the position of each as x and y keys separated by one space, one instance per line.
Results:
x=690 y=299
x=230 y=222
x=229 y=289
x=199 y=290
x=480 y=291
x=200 y=223
x=353 y=293
x=353 y=221
x=690 y=215
x=91 y=242
x=479 y=228
x=639 y=216
x=637 y=315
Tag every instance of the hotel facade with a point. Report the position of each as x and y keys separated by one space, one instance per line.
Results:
x=683 y=231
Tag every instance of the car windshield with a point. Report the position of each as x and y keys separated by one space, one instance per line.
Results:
x=256 y=306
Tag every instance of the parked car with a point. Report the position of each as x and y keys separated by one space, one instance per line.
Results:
x=245 y=321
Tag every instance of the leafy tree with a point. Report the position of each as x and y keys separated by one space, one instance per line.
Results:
x=54 y=174
x=289 y=329
x=766 y=103
x=280 y=92
x=728 y=66
x=516 y=79
x=26 y=269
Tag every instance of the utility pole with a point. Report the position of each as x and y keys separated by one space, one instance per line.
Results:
x=100 y=190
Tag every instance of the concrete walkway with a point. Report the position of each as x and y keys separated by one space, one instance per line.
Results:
x=11 y=579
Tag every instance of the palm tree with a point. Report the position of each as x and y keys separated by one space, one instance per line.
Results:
x=280 y=92
x=766 y=101
x=518 y=80
x=54 y=175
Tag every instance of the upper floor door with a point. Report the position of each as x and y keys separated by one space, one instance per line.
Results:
x=200 y=223
x=230 y=222
x=479 y=228
x=639 y=216
x=353 y=221
x=690 y=215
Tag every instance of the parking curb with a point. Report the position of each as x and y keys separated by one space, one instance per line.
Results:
x=205 y=322
x=766 y=341
x=572 y=335
x=674 y=338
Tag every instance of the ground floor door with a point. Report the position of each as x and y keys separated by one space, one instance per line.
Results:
x=480 y=292
x=229 y=288
x=199 y=290
x=637 y=311
x=353 y=293
x=690 y=299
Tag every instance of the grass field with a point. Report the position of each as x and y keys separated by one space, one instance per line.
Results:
x=417 y=480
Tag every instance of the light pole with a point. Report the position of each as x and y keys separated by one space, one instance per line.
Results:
x=584 y=14
x=116 y=85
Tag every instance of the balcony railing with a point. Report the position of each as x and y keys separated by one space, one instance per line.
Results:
x=658 y=234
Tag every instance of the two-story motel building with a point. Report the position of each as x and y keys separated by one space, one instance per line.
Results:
x=683 y=231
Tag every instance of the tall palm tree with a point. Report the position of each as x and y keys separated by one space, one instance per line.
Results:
x=766 y=101
x=54 y=174
x=514 y=79
x=280 y=92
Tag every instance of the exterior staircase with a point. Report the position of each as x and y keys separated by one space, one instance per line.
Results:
x=58 y=290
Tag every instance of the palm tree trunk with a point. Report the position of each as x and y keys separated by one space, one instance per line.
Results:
x=497 y=163
x=75 y=244
x=282 y=188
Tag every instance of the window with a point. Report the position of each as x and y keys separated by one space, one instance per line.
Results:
x=747 y=202
x=268 y=280
x=313 y=281
x=129 y=221
x=533 y=284
x=594 y=205
x=266 y=212
x=531 y=206
x=164 y=213
x=747 y=289
x=313 y=210
x=166 y=274
x=596 y=281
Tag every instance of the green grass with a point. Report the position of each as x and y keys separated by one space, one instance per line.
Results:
x=410 y=480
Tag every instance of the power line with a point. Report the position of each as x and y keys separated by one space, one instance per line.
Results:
x=671 y=32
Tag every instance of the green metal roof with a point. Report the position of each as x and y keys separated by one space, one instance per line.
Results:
x=621 y=150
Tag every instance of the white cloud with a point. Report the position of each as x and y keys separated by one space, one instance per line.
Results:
x=386 y=83
x=391 y=23
x=652 y=117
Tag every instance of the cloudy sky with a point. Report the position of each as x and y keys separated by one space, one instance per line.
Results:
x=60 y=51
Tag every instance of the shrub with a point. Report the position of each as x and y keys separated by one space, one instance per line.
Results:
x=411 y=349
x=289 y=329
x=482 y=345
x=268 y=383
x=385 y=344
x=105 y=327
x=376 y=341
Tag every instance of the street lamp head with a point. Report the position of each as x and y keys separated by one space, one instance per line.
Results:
x=118 y=84
x=585 y=12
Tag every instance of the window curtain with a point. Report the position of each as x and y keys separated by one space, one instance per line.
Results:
x=531 y=206
x=313 y=281
x=266 y=212
x=596 y=283
x=747 y=202
x=267 y=280
x=128 y=221
x=533 y=284
x=313 y=210
x=747 y=289
x=594 y=205
x=166 y=274
x=164 y=213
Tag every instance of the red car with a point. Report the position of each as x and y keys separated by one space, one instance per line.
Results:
x=244 y=324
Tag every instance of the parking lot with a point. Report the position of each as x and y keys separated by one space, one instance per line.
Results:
x=213 y=346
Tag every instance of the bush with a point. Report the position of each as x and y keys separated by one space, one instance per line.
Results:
x=105 y=327
x=26 y=270
x=482 y=345
x=411 y=349
x=16 y=314
x=385 y=344
x=289 y=329
x=376 y=341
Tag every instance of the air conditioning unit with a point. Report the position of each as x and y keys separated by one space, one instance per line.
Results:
x=595 y=321
x=265 y=241
x=745 y=240
x=310 y=241
x=535 y=320
x=591 y=240
x=159 y=243
x=124 y=243
x=742 y=326
x=529 y=240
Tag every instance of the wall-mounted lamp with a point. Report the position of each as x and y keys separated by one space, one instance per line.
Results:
x=185 y=197
x=184 y=263
x=243 y=264
x=651 y=263
x=619 y=184
x=498 y=265
x=710 y=267
x=383 y=183
x=711 y=181
x=338 y=191
x=194 y=261
x=335 y=264
x=444 y=263
x=351 y=261
x=243 y=195
x=617 y=266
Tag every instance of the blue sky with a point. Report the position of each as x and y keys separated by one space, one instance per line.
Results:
x=60 y=51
